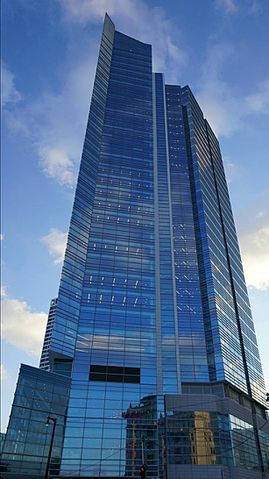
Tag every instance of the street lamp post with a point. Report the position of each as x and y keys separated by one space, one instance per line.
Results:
x=54 y=421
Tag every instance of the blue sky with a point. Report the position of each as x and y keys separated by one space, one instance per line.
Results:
x=49 y=54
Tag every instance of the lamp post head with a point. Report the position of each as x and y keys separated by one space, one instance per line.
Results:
x=51 y=419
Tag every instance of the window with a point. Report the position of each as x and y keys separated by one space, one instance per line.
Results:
x=117 y=374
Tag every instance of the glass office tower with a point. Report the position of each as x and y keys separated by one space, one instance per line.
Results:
x=152 y=325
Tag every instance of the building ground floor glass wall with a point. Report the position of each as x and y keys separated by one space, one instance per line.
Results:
x=206 y=432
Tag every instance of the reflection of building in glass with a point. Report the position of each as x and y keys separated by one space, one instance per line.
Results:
x=39 y=394
x=144 y=437
x=264 y=441
x=152 y=307
x=244 y=443
x=202 y=439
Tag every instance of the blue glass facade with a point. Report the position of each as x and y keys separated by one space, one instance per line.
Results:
x=194 y=362
x=39 y=395
x=152 y=326
x=116 y=327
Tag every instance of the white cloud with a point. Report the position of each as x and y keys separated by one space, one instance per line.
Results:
x=3 y=372
x=259 y=101
x=1 y=237
x=147 y=24
x=55 y=241
x=255 y=7
x=22 y=327
x=9 y=92
x=55 y=123
x=228 y=6
x=56 y=164
x=261 y=214
x=83 y=11
x=225 y=110
x=3 y=291
x=216 y=98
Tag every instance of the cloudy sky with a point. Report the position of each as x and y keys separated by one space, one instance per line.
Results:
x=50 y=48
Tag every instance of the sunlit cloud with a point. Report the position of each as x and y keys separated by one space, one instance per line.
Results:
x=255 y=254
x=22 y=327
x=55 y=241
x=254 y=243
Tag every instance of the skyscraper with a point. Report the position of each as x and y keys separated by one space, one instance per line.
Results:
x=150 y=356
